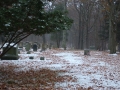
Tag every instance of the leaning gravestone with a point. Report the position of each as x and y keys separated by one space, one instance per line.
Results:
x=12 y=54
x=35 y=47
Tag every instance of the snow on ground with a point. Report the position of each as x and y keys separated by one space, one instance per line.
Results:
x=100 y=70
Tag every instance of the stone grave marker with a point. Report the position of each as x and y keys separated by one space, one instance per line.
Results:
x=86 y=52
x=20 y=45
x=43 y=47
x=12 y=54
x=38 y=45
x=27 y=46
x=42 y=58
x=35 y=47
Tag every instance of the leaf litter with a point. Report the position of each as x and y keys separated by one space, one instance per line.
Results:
x=61 y=70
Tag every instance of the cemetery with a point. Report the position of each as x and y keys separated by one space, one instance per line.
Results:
x=72 y=66
x=60 y=45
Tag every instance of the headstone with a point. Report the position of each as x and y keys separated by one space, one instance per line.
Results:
x=42 y=58
x=12 y=54
x=34 y=47
x=27 y=46
x=43 y=48
x=86 y=52
x=38 y=44
x=31 y=57
x=20 y=45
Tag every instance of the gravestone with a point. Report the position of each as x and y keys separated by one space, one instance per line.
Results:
x=12 y=54
x=38 y=44
x=43 y=47
x=20 y=45
x=27 y=46
x=35 y=47
x=42 y=58
x=86 y=52
x=31 y=57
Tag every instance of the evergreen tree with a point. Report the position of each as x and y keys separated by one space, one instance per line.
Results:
x=21 y=18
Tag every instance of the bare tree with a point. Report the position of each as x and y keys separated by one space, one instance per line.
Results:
x=112 y=7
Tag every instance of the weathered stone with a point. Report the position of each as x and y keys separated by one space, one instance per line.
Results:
x=35 y=47
x=38 y=44
x=31 y=57
x=43 y=47
x=12 y=54
x=86 y=52
x=28 y=46
x=42 y=58
x=20 y=45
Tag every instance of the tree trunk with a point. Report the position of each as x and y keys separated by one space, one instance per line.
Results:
x=64 y=40
x=112 y=30
x=64 y=32
x=112 y=39
x=79 y=32
x=112 y=35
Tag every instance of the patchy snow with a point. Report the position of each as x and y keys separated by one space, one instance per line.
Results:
x=11 y=44
x=70 y=57
x=100 y=70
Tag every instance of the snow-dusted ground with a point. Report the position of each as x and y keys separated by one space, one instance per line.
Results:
x=100 y=70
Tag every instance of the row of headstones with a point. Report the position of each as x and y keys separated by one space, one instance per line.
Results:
x=35 y=46
x=28 y=46
x=12 y=54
